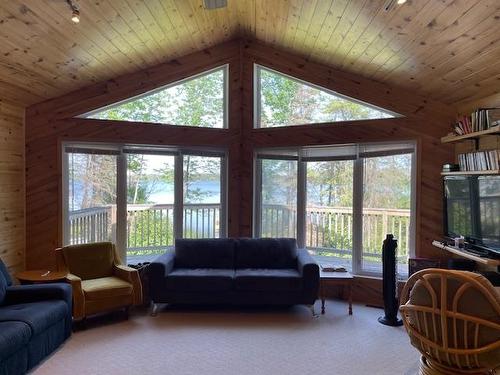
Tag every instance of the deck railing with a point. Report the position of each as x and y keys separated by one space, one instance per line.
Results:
x=150 y=227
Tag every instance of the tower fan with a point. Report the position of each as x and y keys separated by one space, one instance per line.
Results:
x=391 y=303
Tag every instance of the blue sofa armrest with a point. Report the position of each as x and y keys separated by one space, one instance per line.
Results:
x=162 y=265
x=38 y=292
x=309 y=270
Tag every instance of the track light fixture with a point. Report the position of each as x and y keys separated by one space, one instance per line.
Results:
x=389 y=4
x=75 y=15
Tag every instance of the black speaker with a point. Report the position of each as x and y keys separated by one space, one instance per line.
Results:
x=391 y=303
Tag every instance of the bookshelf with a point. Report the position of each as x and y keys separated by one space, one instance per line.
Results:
x=475 y=135
x=478 y=153
x=492 y=172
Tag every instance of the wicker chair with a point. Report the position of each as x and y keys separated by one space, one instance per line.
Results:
x=453 y=319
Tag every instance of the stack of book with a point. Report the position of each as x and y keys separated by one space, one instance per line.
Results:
x=479 y=161
x=479 y=120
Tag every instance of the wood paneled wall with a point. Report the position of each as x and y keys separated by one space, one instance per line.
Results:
x=12 y=194
x=50 y=123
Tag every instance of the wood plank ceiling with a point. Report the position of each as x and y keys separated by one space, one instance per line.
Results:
x=448 y=50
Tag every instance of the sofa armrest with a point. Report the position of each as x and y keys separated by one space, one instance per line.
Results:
x=157 y=271
x=309 y=270
x=78 y=296
x=132 y=276
x=38 y=292
x=161 y=266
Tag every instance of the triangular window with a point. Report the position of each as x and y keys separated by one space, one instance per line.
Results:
x=196 y=101
x=282 y=100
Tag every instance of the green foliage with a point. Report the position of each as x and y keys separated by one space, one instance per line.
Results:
x=196 y=102
x=286 y=102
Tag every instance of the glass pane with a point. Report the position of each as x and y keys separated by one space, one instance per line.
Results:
x=194 y=102
x=459 y=210
x=91 y=198
x=202 y=197
x=386 y=209
x=329 y=211
x=285 y=102
x=150 y=206
x=279 y=198
x=489 y=210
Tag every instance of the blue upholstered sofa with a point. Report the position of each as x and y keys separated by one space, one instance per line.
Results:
x=265 y=271
x=34 y=321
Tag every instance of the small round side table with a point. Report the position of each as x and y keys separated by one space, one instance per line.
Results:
x=40 y=276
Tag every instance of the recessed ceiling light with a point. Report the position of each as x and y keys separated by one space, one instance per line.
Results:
x=215 y=4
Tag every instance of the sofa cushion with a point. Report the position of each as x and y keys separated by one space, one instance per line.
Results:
x=13 y=336
x=266 y=253
x=200 y=279
x=268 y=280
x=3 y=288
x=106 y=287
x=204 y=253
x=90 y=261
x=37 y=315
x=3 y=270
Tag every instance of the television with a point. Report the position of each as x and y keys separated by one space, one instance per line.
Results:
x=472 y=210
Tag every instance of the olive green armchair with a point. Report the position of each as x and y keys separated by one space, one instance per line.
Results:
x=99 y=281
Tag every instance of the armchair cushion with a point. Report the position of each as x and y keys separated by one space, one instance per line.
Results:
x=200 y=279
x=266 y=253
x=106 y=287
x=268 y=279
x=37 y=315
x=206 y=253
x=90 y=261
x=13 y=336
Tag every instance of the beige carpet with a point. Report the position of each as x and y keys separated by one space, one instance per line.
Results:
x=236 y=342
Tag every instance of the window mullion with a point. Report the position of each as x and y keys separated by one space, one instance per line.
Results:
x=357 y=220
x=121 y=206
x=65 y=198
x=301 y=203
x=178 y=196
x=257 y=229
x=223 y=197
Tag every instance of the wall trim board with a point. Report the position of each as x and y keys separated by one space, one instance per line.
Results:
x=12 y=186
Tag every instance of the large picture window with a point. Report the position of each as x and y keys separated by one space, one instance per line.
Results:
x=282 y=100
x=142 y=198
x=199 y=101
x=339 y=201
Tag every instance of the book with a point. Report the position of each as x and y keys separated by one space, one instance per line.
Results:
x=332 y=268
x=479 y=120
x=485 y=160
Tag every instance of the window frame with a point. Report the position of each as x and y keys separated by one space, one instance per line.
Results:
x=357 y=209
x=225 y=100
x=257 y=99
x=121 y=182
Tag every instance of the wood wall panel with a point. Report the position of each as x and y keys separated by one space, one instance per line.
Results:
x=425 y=122
x=12 y=191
